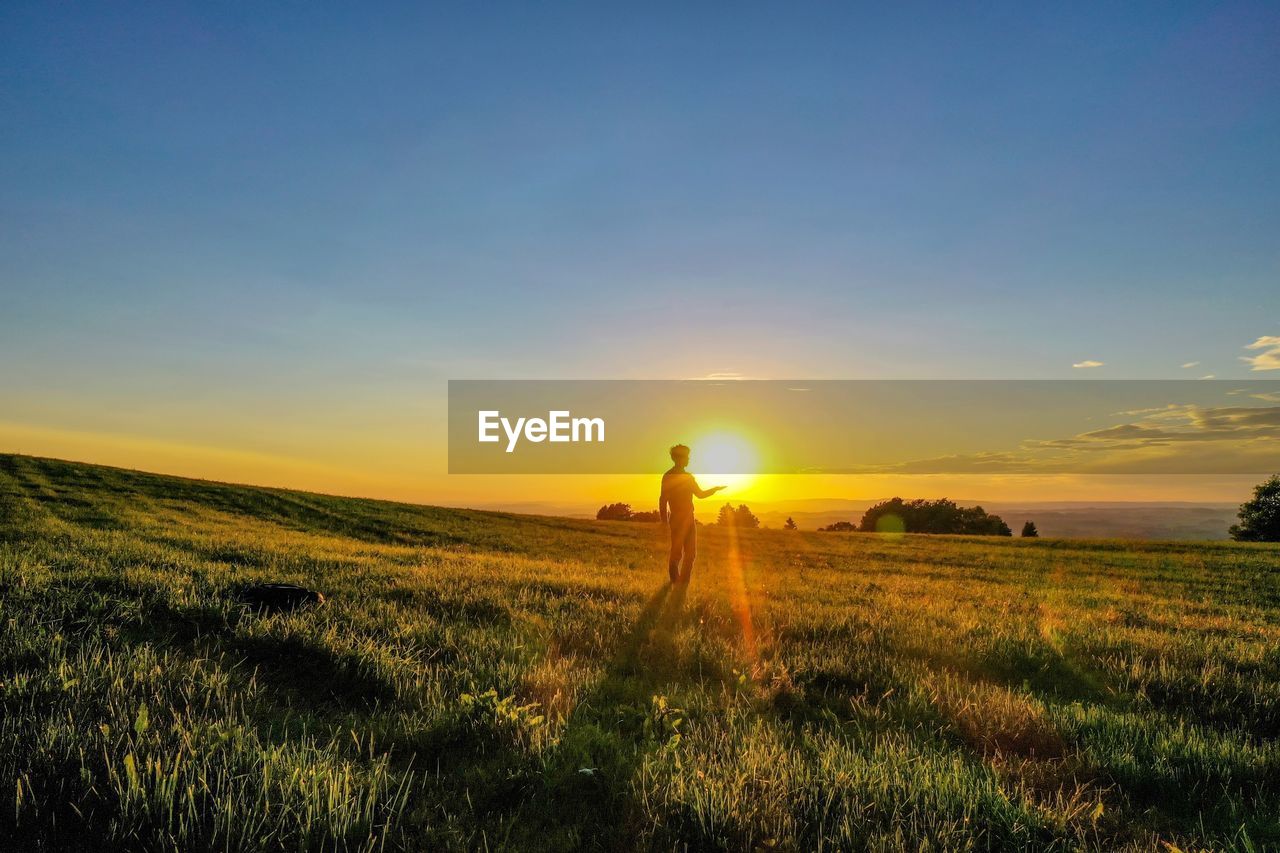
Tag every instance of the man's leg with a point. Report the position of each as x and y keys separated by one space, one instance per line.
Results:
x=676 y=523
x=690 y=551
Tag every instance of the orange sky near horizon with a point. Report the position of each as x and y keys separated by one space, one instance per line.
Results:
x=387 y=472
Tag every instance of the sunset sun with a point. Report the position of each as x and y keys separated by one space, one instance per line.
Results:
x=727 y=458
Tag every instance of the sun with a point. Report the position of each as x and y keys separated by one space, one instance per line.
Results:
x=727 y=458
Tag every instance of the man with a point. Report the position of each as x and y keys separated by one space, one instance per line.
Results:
x=675 y=506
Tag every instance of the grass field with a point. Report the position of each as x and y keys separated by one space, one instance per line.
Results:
x=484 y=681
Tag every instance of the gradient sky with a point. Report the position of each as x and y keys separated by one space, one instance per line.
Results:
x=252 y=241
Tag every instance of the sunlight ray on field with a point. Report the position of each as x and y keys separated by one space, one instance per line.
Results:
x=740 y=602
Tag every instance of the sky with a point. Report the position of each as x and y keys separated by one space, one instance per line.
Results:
x=254 y=241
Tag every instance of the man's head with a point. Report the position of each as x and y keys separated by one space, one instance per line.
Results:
x=680 y=455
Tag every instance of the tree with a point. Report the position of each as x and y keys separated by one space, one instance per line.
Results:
x=1029 y=530
x=649 y=515
x=940 y=516
x=790 y=525
x=614 y=512
x=1260 y=517
x=741 y=516
x=839 y=527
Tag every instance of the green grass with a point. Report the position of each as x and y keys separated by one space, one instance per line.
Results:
x=486 y=681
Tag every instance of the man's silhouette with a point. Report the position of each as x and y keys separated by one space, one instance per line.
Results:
x=675 y=506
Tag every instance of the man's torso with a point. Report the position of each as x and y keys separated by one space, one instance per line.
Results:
x=677 y=488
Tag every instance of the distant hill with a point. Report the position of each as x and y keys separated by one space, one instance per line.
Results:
x=1064 y=519
x=1055 y=519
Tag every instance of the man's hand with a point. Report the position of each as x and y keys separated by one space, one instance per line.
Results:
x=715 y=489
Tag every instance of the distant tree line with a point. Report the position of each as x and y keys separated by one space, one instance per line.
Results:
x=1259 y=517
x=922 y=516
x=730 y=516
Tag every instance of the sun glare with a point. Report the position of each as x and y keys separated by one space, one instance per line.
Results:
x=727 y=458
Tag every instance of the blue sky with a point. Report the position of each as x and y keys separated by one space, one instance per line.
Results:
x=316 y=211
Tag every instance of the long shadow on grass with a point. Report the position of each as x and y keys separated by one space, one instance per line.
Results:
x=585 y=796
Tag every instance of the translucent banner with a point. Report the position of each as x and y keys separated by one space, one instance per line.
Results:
x=866 y=426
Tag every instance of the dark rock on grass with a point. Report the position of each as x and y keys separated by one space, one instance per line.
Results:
x=279 y=597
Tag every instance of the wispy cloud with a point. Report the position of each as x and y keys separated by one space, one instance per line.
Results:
x=1190 y=364
x=1266 y=396
x=1180 y=424
x=1268 y=357
x=723 y=376
x=1088 y=363
x=1207 y=376
x=1173 y=439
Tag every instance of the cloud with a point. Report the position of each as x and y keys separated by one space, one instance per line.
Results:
x=1180 y=439
x=1269 y=356
x=1265 y=396
x=1177 y=439
x=1190 y=364
x=1226 y=418
x=723 y=376
x=1090 y=363
x=1207 y=376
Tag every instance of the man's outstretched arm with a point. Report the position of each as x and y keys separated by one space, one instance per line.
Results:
x=705 y=493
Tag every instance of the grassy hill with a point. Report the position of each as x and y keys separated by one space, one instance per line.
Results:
x=479 y=680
